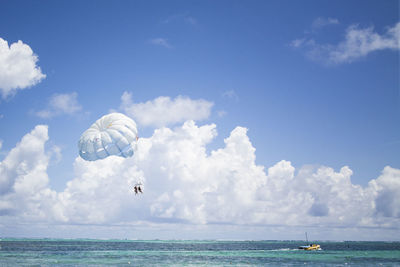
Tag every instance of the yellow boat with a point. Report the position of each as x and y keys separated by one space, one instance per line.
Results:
x=311 y=246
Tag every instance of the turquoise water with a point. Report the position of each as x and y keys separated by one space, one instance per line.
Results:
x=39 y=252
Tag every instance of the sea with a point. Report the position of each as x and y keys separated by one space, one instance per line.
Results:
x=82 y=252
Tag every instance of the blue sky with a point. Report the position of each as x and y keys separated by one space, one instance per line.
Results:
x=287 y=71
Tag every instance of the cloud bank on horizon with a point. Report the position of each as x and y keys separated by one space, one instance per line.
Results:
x=186 y=183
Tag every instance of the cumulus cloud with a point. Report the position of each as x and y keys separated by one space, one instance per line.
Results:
x=185 y=184
x=61 y=104
x=160 y=42
x=164 y=111
x=24 y=181
x=358 y=43
x=18 y=69
x=387 y=188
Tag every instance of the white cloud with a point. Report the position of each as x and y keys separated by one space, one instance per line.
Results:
x=191 y=20
x=61 y=104
x=358 y=43
x=161 y=42
x=222 y=113
x=164 y=111
x=321 y=22
x=387 y=190
x=186 y=185
x=231 y=94
x=181 y=18
x=297 y=42
x=24 y=191
x=18 y=69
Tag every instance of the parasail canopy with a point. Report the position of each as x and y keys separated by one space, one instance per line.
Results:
x=112 y=134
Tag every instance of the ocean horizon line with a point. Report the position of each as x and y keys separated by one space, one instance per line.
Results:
x=181 y=240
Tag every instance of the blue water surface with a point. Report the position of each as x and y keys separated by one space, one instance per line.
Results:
x=51 y=252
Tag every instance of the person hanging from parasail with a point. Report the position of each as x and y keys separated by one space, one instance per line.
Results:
x=137 y=188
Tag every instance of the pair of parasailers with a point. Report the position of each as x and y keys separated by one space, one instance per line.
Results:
x=137 y=189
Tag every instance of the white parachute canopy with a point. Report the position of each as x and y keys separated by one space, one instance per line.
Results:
x=112 y=134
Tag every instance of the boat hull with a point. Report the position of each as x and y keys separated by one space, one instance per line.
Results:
x=311 y=247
